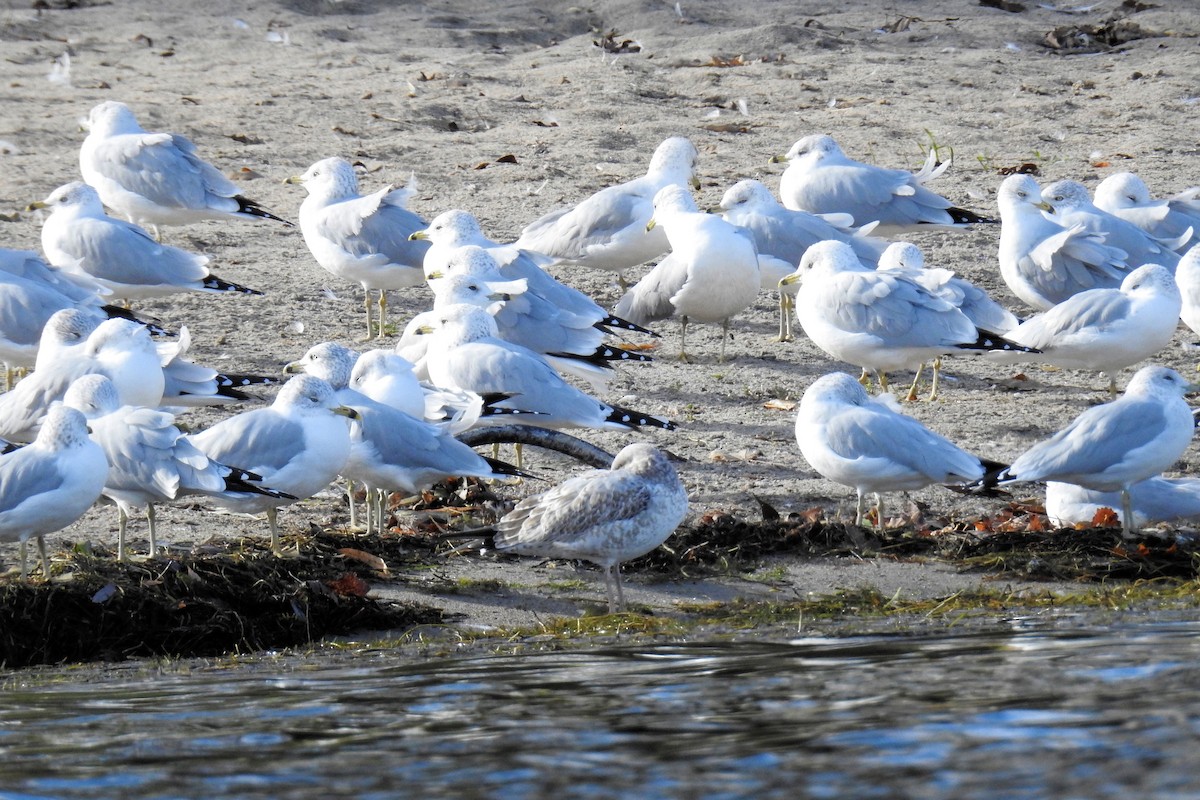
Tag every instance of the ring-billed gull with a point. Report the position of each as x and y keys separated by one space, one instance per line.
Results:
x=1043 y=262
x=984 y=312
x=466 y=353
x=781 y=235
x=1104 y=330
x=608 y=230
x=361 y=238
x=1187 y=278
x=388 y=378
x=1155 y=500
x=389 y=449
x=855 y=440
x=78 y=236
x=1113 y=446
x=149 y=458
x=879 y=320
x=297 y=445
x=711 y=273
x=557 y=342
x=1072 y=206
x=1175 y=220
x=605 y=516
x=454 y=229
x=49 y=484
x=156 y=178
x=118 y=348
x=821 y=179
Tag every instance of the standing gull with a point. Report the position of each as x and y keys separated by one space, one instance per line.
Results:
x=1043 y=262
x=1104 y=329
x=156 y=178
x=79 y=237
x=361 y=238
x=1113 y=446
x=878 y=320
x=49 y=484
x=297 y=445
x=855 y=440
x=1175 y=221
x=821 y=179
x=605 y=516
x=711 y=273
x=608 y=230
x=149 y=458
x=1187 y=277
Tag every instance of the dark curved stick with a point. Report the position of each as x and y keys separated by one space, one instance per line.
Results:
x=547 y=439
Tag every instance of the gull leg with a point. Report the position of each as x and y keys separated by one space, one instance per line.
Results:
x=912 y=390
x=937 y=374
x=724 y=336
x=1126 y=512
x=858 y=511
x=353 y=505
x=122 y=525
x=152 y=520
x=367 y=306
x=683 y=322
x=1112 y=384
x=883 y=381
x=878 y=511
x=24 y=563
x=865 y=378
x=382 y=312
x=273 y=523
x=45 y=557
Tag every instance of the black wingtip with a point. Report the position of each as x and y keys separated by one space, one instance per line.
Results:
x=117 y=312
x=636 y=419
x=603 y=355
x=619 y=323
x=504 y=468
x=243 y=480
x=248 y=206
x=236 y=381
x=215 y=284
x=964 y=217
x=994 y=341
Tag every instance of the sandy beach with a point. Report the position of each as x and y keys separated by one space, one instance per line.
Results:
x=513 y=112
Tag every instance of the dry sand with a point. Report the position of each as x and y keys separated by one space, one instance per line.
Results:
x=510 y=110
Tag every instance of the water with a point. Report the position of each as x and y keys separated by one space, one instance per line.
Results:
x=1029 y=711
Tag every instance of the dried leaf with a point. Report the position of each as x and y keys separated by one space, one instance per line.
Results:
x=724 y=61
x=245 y=174
x=1027 y=168
x=1105 y=518
x=370 y=559
x=349 y=585
x=245 y=138
x=780 y=405
x=507 y=158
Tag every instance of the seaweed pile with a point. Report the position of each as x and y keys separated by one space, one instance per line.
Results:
x=198 y=605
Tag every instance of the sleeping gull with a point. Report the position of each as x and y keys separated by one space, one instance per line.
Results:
x=79 y=237
x=1127 y=196
x=711 y=273
x=1155 y=500
x=155 y=178
x=855 y=440
x=605 y=516
x=49 y=484
x=297 y=445
x=361 y=238
x=1072 y=206
x=608 y=230
x=821 y=179
x=1043 y=262
x=465 y=353
x=149 y=458
x=1113 y=446
x=879 y=320
x=1104 y=330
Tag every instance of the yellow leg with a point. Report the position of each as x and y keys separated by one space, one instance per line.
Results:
x=912 y=390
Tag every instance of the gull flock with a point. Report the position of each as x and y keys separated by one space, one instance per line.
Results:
x=1107 y=281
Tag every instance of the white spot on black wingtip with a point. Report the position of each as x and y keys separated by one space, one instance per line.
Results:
x=215 y=284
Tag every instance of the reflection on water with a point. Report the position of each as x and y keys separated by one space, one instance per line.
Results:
x=1088 y=713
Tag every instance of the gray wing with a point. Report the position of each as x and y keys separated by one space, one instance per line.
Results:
x=575 y=508
x=115 y=250
x=650 y=299
x=23 y=474
x=258 y=441
x=163 y=168
x=570 y=232
x=871 y=432
x=1097 y=439
x=1093 y=309
x=893 y=308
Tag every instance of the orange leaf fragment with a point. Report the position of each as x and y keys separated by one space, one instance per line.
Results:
x=349 y=585
x=370 y=559
x=1105 y=518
